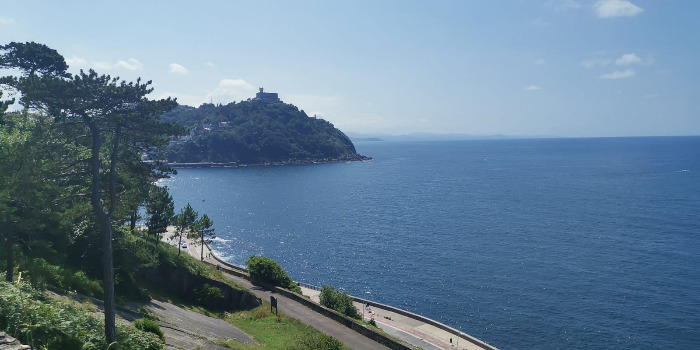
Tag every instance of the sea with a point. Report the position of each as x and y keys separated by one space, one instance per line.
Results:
x=587 y=243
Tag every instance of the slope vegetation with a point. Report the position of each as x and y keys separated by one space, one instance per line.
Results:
x=256 y=132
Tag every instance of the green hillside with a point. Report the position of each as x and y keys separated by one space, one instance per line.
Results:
x=255 y=132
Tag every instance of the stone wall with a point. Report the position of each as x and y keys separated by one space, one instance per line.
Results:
x=183 y=283
x=9 y=343
x=356 y=326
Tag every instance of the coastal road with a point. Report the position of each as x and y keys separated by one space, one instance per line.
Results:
x=312 y=318
x=300 y=312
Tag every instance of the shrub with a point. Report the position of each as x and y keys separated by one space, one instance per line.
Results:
x=338 y=301
x=146 y=313
x=319 y=340
x=81 y=283
x=208 y=296
x=131 y=338
x=265 y=270
x=42 y=274
x=47 y=323
x=151 y=326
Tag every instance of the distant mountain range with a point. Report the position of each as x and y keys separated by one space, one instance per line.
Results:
x=358 y=137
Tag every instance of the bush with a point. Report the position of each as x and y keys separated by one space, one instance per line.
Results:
x=46 y=323
x=208 y=296
x=81 y=283
x=265 y=270
x=151 y=326
x=319 y=340
x=41 y=274
x=338 y=301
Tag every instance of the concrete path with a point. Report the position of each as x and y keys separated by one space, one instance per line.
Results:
x=409 y=329
x=295 y=310
x=185 y=329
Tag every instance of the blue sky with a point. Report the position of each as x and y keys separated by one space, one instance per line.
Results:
x=572 y=68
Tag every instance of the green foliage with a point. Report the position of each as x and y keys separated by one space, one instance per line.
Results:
x=203 y=233
x=254 y=132
x=278 y=332
x=42 y=274
x=132 y=338
x=319 y=341
x=147 y=314
x=45 y=322
x=148 y=325
x=265 y=270
x=338 y=301
x=160 y=210
x=208 y=296
x=184 y=223
x=31 y=57
x=107 y=120
x=131 y=254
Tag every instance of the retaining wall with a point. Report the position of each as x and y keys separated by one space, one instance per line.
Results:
x=354 y=325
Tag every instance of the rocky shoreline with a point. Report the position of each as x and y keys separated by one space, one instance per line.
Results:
x=343 y=159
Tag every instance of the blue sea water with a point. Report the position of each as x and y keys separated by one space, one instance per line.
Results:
x=525 y=244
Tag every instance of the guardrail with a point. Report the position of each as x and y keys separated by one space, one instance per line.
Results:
x=243 y=272
x=309 y=286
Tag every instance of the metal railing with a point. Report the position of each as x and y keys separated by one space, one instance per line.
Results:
x=309 y=286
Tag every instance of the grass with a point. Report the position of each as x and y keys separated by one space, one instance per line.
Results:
x=32 y=316
x=168 y=254
x=47 y=323
x=278 y=332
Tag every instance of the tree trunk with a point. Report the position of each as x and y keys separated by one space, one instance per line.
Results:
x=132 y=221
x=104 y=225
x=108 y=285
x=9 y=274
x=179 y=243
x=201 y=254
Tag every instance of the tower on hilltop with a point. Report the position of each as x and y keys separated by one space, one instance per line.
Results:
x=267 y=96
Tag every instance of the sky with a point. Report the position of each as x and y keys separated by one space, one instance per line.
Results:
x=565 y=68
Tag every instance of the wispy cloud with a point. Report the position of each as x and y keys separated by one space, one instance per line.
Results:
x=82 y=63
x=540 y=62
x=100 y=65
x=628 y=59
x=562 y=5
x=596 y=62
x=627 y=73
x=211 y=65
x=232 y=90
x=616 y=8
x=6 y=20
x=175 y=68
x=130 y=64
x=533 y=88
x=77 y=62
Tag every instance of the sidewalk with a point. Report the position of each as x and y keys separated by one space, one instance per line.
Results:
x=412 y=330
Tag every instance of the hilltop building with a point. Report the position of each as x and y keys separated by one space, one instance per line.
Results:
x=267 y=96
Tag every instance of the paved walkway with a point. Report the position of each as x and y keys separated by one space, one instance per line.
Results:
x=295 y=310
x=411 y=330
